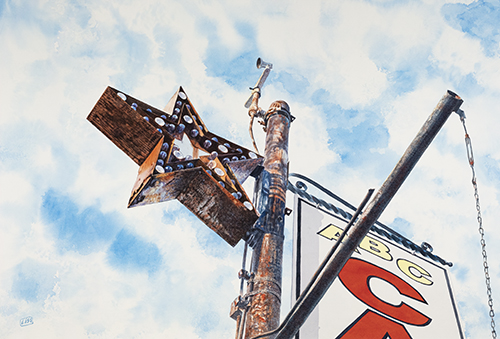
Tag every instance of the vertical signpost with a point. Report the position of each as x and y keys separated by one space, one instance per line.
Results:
x=264 y=309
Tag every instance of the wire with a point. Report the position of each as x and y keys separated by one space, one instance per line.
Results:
x=250 y=129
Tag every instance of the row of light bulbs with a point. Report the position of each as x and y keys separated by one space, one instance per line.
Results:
x=175 y=128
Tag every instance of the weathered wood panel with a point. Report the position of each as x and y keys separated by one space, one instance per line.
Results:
x=203 y=196
x=217 y=208
x=124 y=126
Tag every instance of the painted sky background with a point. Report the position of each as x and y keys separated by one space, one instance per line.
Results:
x=361 y=77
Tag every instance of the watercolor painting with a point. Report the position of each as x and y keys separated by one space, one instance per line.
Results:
x=360 y=77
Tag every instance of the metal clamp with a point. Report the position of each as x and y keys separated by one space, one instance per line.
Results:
x=461 y=114
x=278 y=107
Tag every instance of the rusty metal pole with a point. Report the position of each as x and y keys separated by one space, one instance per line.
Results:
x=265 y=287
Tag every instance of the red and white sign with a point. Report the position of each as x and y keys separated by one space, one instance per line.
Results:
x=384 y=291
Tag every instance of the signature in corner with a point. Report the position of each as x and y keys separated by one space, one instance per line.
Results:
x=26 y=321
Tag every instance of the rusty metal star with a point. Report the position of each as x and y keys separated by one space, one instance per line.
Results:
x=207 y=181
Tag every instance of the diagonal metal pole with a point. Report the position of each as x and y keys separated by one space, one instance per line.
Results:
x=448 y=104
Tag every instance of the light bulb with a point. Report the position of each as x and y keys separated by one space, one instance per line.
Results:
x=189 y=165
x=235 y=158
x=178 y=154
x=168 y=169
x=252 y=155
x=159 y=169
x=178 y=103
x=160 y=162
x=163 y=155
x=187 y=119
x=194 y=133
x=122 y=96
x=180 y=167
x=219 y=172
x=164 y=146
x=182 y=95
x=213 y=155
x=149 y=110
x=222 y=184
x=177 y=111
x=170 y=128
x=146 y=118
x=248 y=205
x=174 y=118
x=207 y=143
x=180 y=128
x=223 y=148
x=212 y=164
x=160 y=121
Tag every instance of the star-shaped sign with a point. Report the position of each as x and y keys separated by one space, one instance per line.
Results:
x=180 y=159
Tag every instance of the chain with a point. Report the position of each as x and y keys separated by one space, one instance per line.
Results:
x=470 y=155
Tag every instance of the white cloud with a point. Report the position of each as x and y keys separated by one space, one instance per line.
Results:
x=15 y=187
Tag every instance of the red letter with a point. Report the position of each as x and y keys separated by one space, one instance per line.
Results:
x=356 y=275
x=371 y=325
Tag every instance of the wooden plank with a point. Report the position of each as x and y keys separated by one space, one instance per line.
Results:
x=202 y=195
x=163 y=187
x=217 y=208
x=124 y=126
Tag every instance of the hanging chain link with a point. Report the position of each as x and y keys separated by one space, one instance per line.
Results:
x=470 y=155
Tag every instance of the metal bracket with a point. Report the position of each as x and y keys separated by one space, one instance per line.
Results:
x=244 y=274
x=239 y=305
x=460 y=113
x=256 y=233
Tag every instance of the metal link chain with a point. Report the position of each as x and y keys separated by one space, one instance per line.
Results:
x=470 y=155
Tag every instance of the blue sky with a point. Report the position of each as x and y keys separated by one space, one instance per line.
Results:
x=360 y=76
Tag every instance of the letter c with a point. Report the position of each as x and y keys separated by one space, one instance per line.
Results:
x=356 y=275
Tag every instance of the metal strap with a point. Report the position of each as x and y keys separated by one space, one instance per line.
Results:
x=265 y=290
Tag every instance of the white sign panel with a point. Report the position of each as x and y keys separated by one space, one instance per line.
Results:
x=384 y=291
